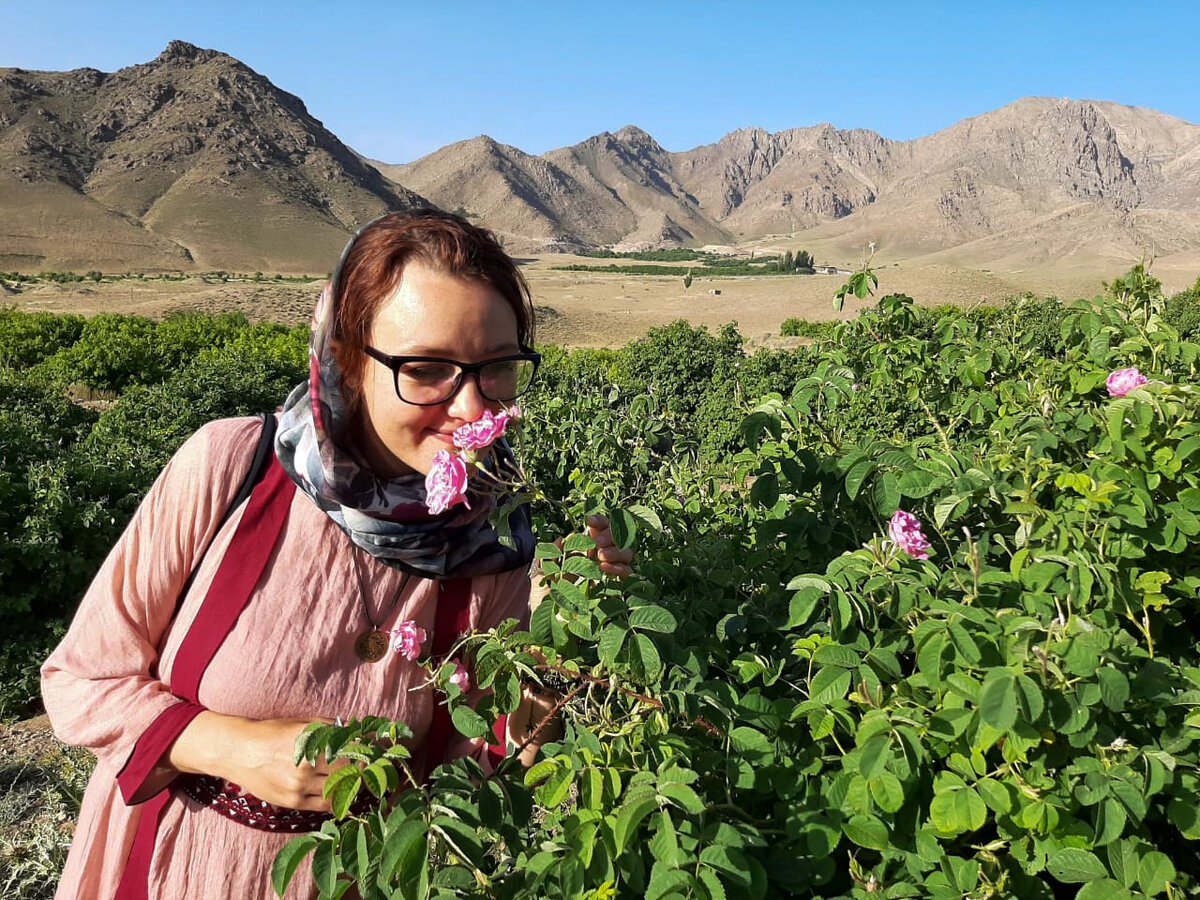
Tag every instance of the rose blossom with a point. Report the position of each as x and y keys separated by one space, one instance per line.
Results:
x=1122 y=381
x=905 y=529
x=407 y=638
x=484 y=430
x=461 y=677
x=446 y=483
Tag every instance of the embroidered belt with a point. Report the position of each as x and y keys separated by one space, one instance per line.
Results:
x=232 y=802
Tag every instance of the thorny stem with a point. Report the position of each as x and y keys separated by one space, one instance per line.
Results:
x=937 y=425
x=628 y=692
x=554 y=711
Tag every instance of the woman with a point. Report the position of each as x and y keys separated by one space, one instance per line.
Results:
x=191 y=700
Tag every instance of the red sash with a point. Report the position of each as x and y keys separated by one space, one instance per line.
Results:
x=241 y=568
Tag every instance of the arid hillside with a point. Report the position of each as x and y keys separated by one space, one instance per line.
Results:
x=190 y=161
x=195 y=162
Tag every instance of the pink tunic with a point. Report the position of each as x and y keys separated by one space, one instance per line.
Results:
x=290 y=654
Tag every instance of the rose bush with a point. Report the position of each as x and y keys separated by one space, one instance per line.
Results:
x=781 y=703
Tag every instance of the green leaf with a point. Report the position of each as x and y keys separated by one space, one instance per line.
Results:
x=1110 y=822
x=551 y=794
x=584 y=567
x=857 y=475
x=1103 y=889
x=765 y=490
x=887 y=792
x=325 y=867
x=652 y=618
x=378 y=777
x=644 y=658
x=646 y=516
x=341 y=787
x=837 y=655
x=629 y=817
x=1074 y=865
x=576 y=543
x=1030 y=698
x=624 y=527
x=829 y=684
x=867 y=831
x=1114 y=688
x=683 y=796
x=404 y=851
x=873 y=756
x=665 y=881
x=1155 y=872
x=664 y=844
x=887 y=494
x=800 y=582
x=611 y=640
x=998 y=700
x=540 y=771
x=752 y=744
x=289 y=858
x=712 y=884
x=955 y=810
x=306 y=746
x=468 y=722
x=540 y=625
x=803 y=604
x=464 y=839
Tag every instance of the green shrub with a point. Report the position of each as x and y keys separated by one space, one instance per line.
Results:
x=788 y=702
x=675 y=364
x=27 y=339
x=1182 y=312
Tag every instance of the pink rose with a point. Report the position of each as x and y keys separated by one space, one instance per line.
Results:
x=461 y=677
x=407 y=638
x=484 y=430
x=905 y=530
x=1122 y=381
x=446 y=483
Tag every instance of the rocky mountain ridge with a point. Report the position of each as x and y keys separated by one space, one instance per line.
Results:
x=194 y=160
x=193 y=157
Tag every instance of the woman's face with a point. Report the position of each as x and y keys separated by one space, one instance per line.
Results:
x=430 y=314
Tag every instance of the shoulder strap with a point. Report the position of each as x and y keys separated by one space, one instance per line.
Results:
x=263 y=453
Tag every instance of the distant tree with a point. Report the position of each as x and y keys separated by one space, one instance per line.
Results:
x=94 y=275
x=804 y=259
x=687 y=280
x=786 y=263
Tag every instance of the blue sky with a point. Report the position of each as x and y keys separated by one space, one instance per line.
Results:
x=397 y=80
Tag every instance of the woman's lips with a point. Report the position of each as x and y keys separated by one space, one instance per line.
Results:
x=445 y=436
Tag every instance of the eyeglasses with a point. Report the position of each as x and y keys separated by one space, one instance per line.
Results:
x=430 y=380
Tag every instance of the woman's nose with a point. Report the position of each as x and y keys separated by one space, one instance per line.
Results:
x=467 y=403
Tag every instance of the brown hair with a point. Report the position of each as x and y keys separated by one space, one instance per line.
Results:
x=373 y=264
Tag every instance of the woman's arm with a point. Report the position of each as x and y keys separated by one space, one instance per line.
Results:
x=101 y=686
x=256 y=755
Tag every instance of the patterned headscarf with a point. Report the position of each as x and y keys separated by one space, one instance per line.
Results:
x=385 y=516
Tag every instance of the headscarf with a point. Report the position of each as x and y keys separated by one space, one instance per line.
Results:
x=386 y=517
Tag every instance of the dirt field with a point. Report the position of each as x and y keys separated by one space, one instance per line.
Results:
x=580 y=309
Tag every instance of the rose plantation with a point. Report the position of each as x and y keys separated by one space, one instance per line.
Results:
x=915 y=610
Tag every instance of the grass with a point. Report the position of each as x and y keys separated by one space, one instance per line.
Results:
x=39 y=803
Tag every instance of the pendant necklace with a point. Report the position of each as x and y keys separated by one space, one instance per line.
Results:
x=371 y=646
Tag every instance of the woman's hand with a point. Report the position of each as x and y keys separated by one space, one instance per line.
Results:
x=613 y=561
x=255 y=754
x=528 y=722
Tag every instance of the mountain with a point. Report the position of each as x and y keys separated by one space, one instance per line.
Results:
x=1031 y=182
x=192 y=160
x=195 y=161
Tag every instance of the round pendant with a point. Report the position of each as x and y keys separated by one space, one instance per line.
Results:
x=371 y=646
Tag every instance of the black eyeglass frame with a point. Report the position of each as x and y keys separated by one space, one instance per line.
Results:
x=395 y=362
